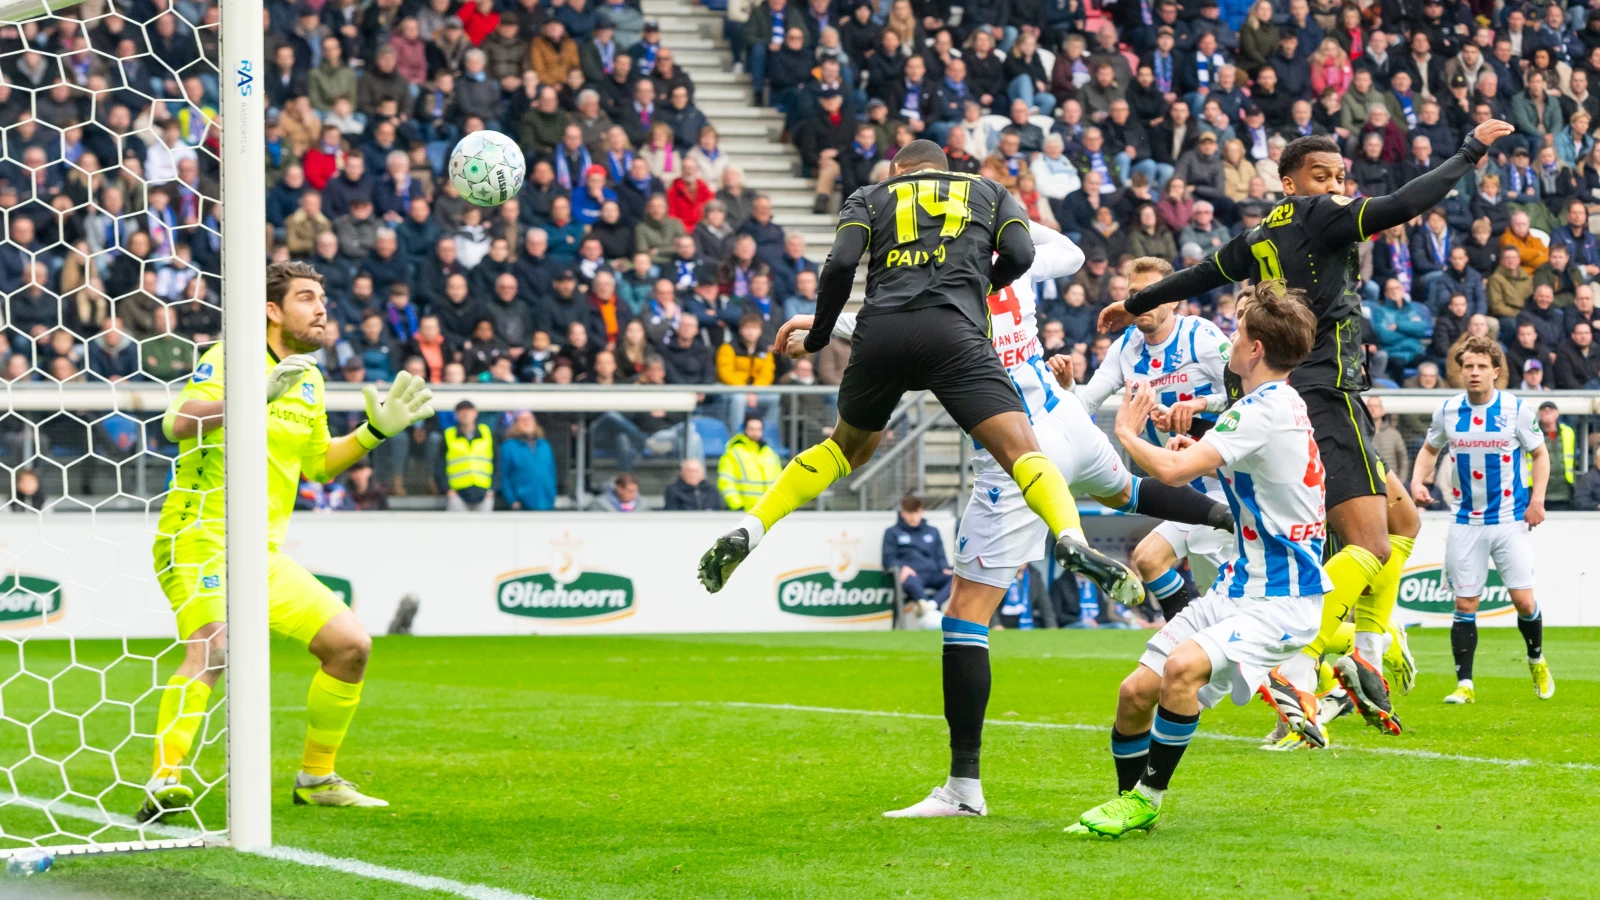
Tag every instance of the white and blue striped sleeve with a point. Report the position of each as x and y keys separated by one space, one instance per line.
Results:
x=1437 y=436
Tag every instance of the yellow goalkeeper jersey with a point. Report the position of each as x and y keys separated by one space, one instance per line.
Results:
x=297 y=441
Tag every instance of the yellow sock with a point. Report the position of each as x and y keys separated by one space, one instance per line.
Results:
x=1046 y=492
x=1325 y=680
x=1351 y=570
x=803 y=480
x=330 y=705
x=183 y=708
x=1375 y=608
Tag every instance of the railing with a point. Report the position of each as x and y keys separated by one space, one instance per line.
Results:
x=65 y=432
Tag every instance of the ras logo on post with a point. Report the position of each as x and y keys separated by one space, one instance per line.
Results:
x=1426 y=590
x=842 y=590
x=563 y=590
x=29 y=600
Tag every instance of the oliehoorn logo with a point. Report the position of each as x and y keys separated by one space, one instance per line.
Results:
x=563 y=591
x=1425 y=589
x=27 y=600
x=840 y=590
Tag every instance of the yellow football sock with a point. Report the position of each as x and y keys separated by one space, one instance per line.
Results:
x=330 y=705
x=803 y=480
x=1325 y=680
x=183 y=708
x=1351 y=570
x=1046 y=492
x=1375 y=608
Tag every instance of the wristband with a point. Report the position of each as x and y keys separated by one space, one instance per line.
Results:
x=368 y=436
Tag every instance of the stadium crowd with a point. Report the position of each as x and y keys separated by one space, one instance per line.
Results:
x=636 y=254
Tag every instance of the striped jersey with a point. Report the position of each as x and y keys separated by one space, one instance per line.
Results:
x=1014 y=320
x=1272 y=475
x=1488 y=448
x=1191 y=362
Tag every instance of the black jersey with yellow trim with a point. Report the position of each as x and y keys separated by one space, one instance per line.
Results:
x=931 y=237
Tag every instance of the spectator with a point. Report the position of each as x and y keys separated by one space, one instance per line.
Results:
x=1388 y=443
x=1458 y=277
x=302 y=227
x=564 y=232
x=657 y=232
x=527 y=466
x=748 y=467
x=1582 y=246
x=1577 y=362
x=1582 y=308
x=688 y=195
x=1586 y=495
x=1451 y=322
x=823 y=141
x=661 y=153
x=1541 y=311
x=362 y=493
x=1528 y=346
x=1509 y=288
x=691 y=491
x=623 y=494
x=1531 y=250
x=1560 y=442
x=467 y=466
x=688 y=359
x=553 y=53
x=913 y=551
x=376 y=347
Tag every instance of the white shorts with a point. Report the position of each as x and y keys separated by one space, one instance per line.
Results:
x=1209 y=550
x=1468 y=548
x=1245 y=639
x=998 y=531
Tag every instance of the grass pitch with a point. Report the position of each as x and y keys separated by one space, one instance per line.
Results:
x=662 y=767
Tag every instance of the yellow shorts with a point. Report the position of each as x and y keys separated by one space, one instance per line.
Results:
x=193 y=574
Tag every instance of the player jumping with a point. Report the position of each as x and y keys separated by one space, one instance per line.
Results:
x=939 y=239
x=189 y=558
x=1309 y=239
x=998 y=531
x=1495 y=445
x=1185 y=359
x=1266 y=606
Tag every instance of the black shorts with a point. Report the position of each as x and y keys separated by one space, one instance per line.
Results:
x=934 y=348
x=1343 y=429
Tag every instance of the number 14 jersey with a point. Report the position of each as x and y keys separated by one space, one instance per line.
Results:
x=931 y=240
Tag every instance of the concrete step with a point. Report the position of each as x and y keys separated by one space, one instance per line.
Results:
x=756 y=128
x=692 y=43
x=736 y=109
x=747 y=146
x=721 y=75
x=697 y=60
x=731 y=94
x=763 y=181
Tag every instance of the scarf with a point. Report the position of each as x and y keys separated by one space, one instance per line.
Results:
x=404 y=325
x=712 y=154
x=608 y=55
x=1441 y=246
x=911 y=106
x=959 y=88
x=647 y=62
x=619 y=165
x=1205 y=66
x=1097 y=163
x=1163 y=67
x=864 y=152
x=1408 y=105
x=741 y=280
x=685 y=269
x=1516 y=178
x=564 y=173
x=608 y=313
x=642 y=185
x=1400 y=258
x=777 y=27
x=667 y=157
x=1547 y=178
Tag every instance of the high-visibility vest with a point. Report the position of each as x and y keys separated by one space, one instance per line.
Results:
x=469 y=463
x=1568 y=450
x=745 y=472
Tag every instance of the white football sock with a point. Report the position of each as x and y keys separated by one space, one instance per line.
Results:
x=1370 y=644
x=753 y=527
x=1300 y=672
x=966 y=790
x=1152 y=793
x=1465 y=682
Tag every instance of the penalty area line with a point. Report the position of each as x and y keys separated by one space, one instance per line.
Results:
x=1404 y=752
x=356 y=867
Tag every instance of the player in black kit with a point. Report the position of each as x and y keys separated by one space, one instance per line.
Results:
x=925 y=325
x=1310 y=239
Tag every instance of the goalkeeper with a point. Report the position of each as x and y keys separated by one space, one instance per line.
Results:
x=189 y=542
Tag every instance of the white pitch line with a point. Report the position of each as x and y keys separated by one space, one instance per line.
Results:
x=291 y=854
x=1101 y=729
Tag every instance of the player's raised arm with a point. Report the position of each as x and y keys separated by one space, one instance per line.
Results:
x=839 y=272
x=1055 y=255
x=1231 y=263
x=1186 y=461
x=1367 y=217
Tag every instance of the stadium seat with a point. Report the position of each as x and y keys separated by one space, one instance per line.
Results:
x=713 y=435
x=1543 y=236
x=996 y=124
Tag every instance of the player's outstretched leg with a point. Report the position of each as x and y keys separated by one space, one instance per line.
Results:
x=1530 y=622
x=182 y=712
x=1375 y=608
x=803 y=480
x=343 y=647
x=1289 y=691
x=966 y=699
x=1463 y=647
x=1137 y=698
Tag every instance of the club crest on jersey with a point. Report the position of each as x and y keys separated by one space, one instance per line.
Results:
x=203 y=373
x=308 y=392
x=1342 y=200
x=1228 y=422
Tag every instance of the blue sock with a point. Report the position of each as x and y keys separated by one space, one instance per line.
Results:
x=1130 y=752
x=1168 y=584
x=1169 y=736
x=965 y=634
x=1133 y=498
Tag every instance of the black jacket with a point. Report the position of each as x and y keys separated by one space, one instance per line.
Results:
x=816 y=134
x=695 y=498
x=693 y=364
x=921 y=548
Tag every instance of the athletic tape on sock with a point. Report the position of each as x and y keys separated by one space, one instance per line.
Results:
x=963 y=633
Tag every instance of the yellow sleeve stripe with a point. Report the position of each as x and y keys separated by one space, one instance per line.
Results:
x=1216 y=259
x=1360 y=214
x=844 y=225
x=1002 y=228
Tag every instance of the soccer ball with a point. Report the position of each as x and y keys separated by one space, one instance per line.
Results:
x=487 y=168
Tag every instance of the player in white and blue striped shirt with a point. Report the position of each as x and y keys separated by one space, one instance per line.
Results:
x=1500 y=467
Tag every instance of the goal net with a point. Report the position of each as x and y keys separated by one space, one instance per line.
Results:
x=111 y=272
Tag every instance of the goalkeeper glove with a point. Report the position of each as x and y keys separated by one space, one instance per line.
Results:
x=288 y=373
x=408 y=402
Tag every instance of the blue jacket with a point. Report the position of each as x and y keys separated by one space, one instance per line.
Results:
x=1401 y=330
x=1584 y=249
x=528 y=473
x=921 y=548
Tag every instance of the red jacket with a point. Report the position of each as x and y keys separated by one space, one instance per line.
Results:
x=477 y=25
x=320 y=166
x=688 y=205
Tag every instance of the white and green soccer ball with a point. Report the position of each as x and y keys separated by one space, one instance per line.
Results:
x=487 y=168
